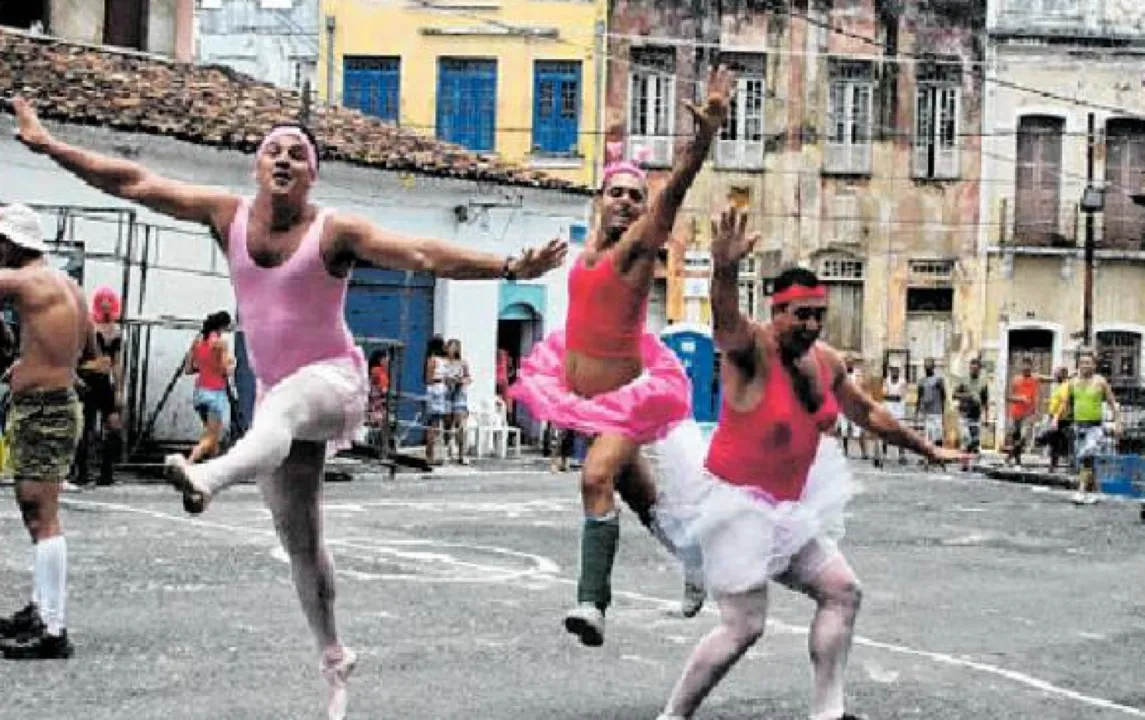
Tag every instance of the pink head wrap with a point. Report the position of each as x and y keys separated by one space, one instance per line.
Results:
x=615 y=164
x=291 y=131
x=98 y=314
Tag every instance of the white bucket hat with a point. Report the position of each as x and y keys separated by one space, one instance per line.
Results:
x=21 y=225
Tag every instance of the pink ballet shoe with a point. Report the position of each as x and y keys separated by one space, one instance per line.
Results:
x=181 y=474
x=336 y=674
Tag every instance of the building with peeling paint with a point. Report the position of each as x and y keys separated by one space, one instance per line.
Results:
x=854 y=141
x=1065 y=76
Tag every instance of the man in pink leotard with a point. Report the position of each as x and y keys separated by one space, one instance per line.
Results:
x=290 y=262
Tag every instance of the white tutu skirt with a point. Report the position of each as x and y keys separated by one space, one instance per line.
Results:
x=744 y=538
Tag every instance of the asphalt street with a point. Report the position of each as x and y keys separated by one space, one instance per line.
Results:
x=982 y=600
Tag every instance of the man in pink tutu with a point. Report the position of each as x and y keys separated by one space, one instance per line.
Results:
x=768 y=503
x=290 y=264
x=604 y=375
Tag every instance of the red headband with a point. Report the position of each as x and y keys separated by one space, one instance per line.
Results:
x=799 y=292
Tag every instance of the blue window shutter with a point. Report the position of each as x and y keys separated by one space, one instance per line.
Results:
x=556 y=107
x=372 y=85
x=467 y=102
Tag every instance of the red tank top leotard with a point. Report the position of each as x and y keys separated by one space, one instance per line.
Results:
x=772 y=446
x=606 y=315
x=212 y=375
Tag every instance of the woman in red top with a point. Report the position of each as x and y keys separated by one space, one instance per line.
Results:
x=768 y=503
x=604 y=376
x=210 y=361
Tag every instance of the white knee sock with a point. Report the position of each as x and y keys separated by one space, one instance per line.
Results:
x=51 y=577
x=830 y=644
x=259 y=452
x=35 y=586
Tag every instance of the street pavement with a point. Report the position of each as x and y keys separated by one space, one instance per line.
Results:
x=982 y=600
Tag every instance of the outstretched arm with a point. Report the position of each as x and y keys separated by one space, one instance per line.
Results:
x=126 y=179
x=652 y=231
x=358 y=237
x=734 y=332
x=874 y=418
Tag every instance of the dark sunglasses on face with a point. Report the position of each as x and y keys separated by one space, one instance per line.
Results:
x=805 y=314
x=634 y=194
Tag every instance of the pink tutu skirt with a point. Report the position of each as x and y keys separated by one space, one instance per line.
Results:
x=744 y=537
x=644 y=409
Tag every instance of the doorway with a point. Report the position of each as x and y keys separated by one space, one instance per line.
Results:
x=1036 y=345
x=518 y=330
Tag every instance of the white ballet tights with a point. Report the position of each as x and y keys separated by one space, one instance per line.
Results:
x=315 y=404
x=742 y=619
x=293 y=494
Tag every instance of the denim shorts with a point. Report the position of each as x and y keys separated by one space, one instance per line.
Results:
x=212 y=405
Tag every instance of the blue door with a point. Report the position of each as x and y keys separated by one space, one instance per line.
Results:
x=381 y=304
x=467 y=102
x=696 y=350
x=556 y=107
x=371 y=84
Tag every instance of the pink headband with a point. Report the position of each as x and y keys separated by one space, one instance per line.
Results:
x=287 y=131
x=615 y=164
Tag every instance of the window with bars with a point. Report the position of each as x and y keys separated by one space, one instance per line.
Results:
x=749 y=267
x=748 y=296
x=370 y=84
x=850 y=117
x=467 y=102
x=936 y=122
x=556 y=107
x=652 y=102
x=841 y=269
x=741 y=141
x=937 y=270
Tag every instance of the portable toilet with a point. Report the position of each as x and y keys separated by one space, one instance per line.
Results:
x=694 y=345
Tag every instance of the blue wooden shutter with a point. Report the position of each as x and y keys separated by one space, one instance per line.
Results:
x=467 y=102
x=372 y=85
x=556 y=107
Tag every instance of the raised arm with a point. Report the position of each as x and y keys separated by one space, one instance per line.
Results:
x=125 y=179
x=734 y=332
x=361 y=239
x=653 y=230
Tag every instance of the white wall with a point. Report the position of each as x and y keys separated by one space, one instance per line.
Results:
x=417 y=205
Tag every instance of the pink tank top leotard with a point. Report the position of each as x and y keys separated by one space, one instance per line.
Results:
x=772 y=446
x=292 y=315
x=606 y=315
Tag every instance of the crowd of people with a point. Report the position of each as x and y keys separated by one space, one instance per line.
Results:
x=762 y=502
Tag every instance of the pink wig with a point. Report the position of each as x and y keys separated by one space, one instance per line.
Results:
x=98 y=314
x=615 y=164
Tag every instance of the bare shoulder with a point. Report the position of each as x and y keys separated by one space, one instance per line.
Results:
x=833 y=359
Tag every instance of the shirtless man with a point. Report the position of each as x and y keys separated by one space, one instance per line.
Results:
x=290 y=264
x=43 y=424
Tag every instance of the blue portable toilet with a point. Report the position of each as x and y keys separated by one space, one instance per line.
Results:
x=694 y=345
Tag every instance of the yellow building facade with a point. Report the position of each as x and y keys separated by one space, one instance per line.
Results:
x=516 y=78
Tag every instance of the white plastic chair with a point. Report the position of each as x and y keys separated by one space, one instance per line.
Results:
x=502 y=431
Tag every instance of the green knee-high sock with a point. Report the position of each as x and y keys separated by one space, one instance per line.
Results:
x=599 y=540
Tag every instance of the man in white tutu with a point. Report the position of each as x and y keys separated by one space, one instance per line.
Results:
x=768 y=503
x=604 y=375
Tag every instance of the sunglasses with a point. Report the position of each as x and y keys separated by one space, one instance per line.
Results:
x=634 y=194
x=805 y=314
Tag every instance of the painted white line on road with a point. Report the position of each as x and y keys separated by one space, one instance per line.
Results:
x=1014 y=676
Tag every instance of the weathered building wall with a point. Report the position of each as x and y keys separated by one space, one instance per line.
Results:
x=882 y=215
x=1054 y=72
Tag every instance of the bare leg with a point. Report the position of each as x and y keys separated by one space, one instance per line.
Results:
x=293 y=493
x=837 y=595
x=208 y=445
x=742 y=621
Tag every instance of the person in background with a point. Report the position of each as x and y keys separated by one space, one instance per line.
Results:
x=973 y=399
x=101 y=378
x=436 y=396
x=931 y=404
x=1086 y=400
x=457 y=381
x=379 y=369
x=1061 y=429
x=1023 y=400
x=894 y=400
x=849 y=430
x=211 y=362
x=505 y=376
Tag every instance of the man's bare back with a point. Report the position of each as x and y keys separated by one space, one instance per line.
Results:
x=54 y=328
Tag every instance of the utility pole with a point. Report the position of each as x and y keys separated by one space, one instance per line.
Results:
x=304 y=113
x=1089 y=209
x=600 y=142
x=330 y=26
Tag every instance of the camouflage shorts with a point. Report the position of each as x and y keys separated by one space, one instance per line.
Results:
x=43 y=431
